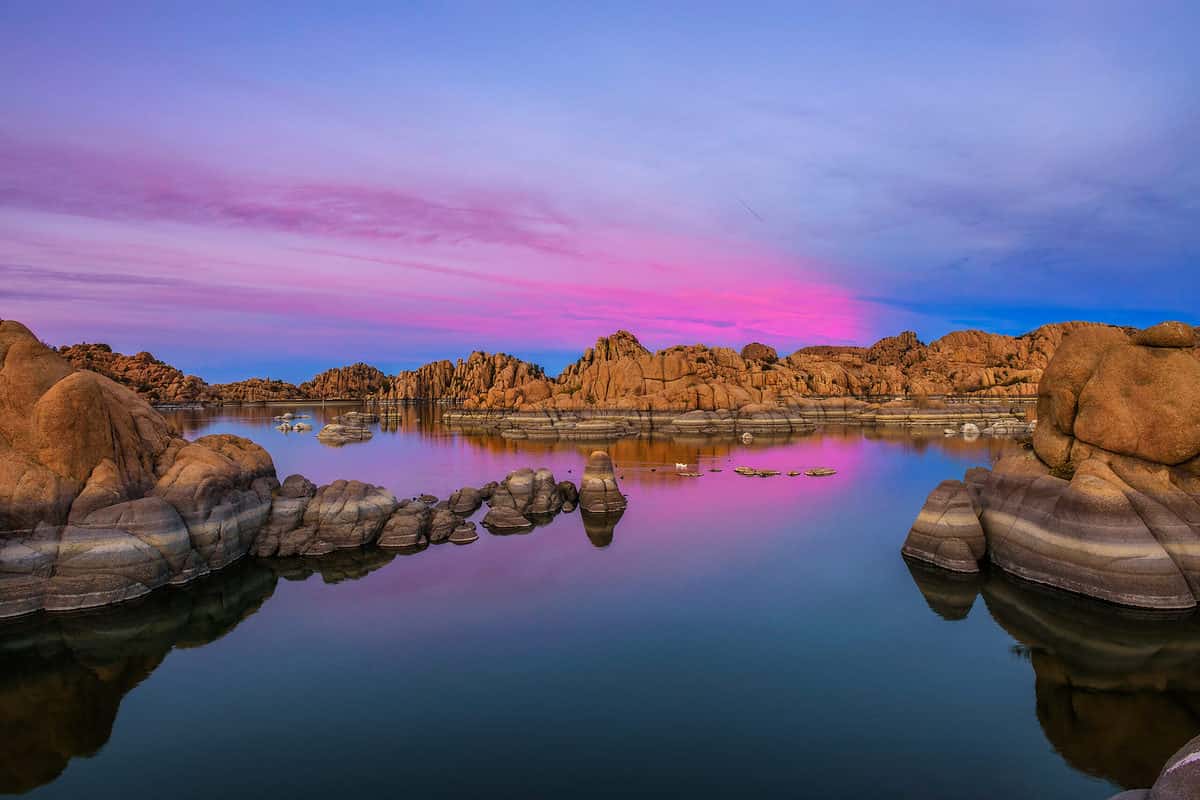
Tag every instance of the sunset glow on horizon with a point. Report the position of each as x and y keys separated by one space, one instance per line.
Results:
x=252 y=193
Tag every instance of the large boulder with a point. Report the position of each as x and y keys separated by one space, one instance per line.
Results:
x=407 y=527
x=1108 y=502
x=100 y=501
x=598 y=491
x=287 y=512
x=340 y=515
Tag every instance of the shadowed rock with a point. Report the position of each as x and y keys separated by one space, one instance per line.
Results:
x=569 y=494
x=407 y=527
x=466 y=501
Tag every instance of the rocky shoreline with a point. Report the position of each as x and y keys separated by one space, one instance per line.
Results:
x=101 y=502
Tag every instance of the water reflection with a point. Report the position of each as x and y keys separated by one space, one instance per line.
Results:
x=63 y=677
x=1117 y=690
x=600 y=527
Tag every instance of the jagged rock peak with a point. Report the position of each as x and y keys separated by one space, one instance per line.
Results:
x=621 y=344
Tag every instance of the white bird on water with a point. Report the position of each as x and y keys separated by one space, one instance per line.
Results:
x=680 y=466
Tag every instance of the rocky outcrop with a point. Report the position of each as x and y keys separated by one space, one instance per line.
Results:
x=99 y=500
x=619 y=374
x=1107 y=503
x=154 y=380
x=481 y=374
x=354 y=382
x=256 y=390
x=598 y=491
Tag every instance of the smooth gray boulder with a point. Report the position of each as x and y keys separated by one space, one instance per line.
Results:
x=947 y=532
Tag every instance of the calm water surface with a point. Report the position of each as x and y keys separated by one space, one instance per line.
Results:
x=729 y=637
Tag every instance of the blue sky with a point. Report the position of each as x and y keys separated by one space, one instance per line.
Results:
x=243 y=188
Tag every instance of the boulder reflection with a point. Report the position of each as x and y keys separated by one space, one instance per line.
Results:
x=1117 y=690
x=63 y=677
x=600 y=527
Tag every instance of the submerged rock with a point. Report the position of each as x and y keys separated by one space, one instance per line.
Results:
x=335 y=434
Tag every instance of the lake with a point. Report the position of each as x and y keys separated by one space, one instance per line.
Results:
x=729 y=637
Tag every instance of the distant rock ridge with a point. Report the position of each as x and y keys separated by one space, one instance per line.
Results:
x=353 y=382
x=154 y=380
x=162 y=384
x=1107 y=502
x=619 y=374
x=487 y=375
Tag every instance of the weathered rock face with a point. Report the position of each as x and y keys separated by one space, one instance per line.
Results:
x=99 y=500
x=1108 y=503
x=479 y=375
x=756 y=351
x=346 y=383
x=154 y=380
x=598 y=491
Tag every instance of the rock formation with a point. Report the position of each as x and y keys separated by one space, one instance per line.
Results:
x=154 y=380
x=481 y=374
x=598 y=491
x=618 y=373
x=256 y=390
x=101 y=502
x=1106 y=504
x=354 y=382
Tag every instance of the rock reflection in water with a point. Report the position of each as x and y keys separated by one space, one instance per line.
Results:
x=599 y=527
x=1117 y=690
x=63 y=677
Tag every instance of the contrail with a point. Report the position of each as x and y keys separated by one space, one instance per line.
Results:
x=746 y=206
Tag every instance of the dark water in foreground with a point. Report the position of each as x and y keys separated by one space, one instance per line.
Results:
x=730 y=637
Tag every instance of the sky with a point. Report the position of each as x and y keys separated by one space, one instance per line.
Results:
x=272 y=189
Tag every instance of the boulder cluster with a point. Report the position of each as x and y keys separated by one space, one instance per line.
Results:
x=101 y=501
x=1107 y=501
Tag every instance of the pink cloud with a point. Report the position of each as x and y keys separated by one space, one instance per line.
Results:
x=163 y=246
